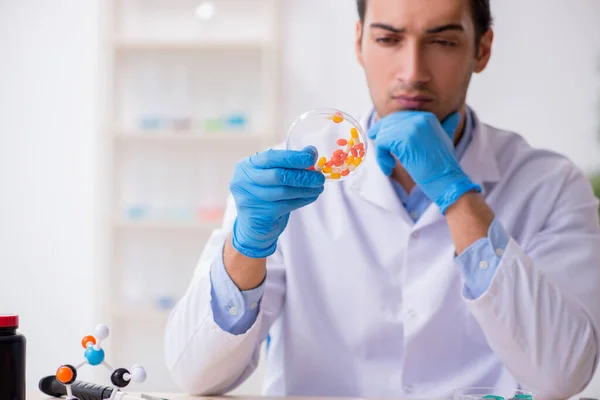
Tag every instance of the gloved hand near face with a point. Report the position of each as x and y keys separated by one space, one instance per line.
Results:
x=425 y=148
x=267 y=187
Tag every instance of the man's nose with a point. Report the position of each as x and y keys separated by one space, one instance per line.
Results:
x=412 y=69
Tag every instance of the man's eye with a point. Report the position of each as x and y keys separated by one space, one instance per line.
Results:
x=445 y=43
x=387 y=40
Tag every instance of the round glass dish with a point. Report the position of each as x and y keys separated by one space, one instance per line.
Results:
x=340 y=140
x=478 y=393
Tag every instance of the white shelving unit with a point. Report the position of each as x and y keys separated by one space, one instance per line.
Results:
x=192 y=90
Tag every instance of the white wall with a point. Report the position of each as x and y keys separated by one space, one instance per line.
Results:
x=544 y=77
x=48 y=125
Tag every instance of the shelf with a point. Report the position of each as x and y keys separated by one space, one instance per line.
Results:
x=202 y=45
x=167 y=225
x=189 y=137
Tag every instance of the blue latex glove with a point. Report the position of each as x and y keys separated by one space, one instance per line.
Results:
x=425 y=148
x=267 y=187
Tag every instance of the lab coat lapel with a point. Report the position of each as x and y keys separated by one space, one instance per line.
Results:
x=374 y=186
x=478 y=162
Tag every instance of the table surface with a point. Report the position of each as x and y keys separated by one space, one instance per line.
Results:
x=37 y=395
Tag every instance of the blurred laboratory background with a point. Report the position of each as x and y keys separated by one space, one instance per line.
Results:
x=121 y=122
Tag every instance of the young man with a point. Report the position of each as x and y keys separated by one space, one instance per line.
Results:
x=458 y=257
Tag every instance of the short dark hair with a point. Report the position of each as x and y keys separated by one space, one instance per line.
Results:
x=482 y=15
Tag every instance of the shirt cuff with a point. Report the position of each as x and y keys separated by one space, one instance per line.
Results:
x=233 y=310
x=479 y=262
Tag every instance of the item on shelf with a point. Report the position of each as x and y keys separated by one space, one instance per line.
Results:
x=211 y=213
x=136 y=212
x=12 y=359
x=150 y=97
x=236 y=121
x=165 y=302
x=178 y=94
x=94 y=355
x=151 y=123
x=212 y=125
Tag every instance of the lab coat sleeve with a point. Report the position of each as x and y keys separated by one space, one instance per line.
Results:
x=541 y=313
x=479 y=262
x=202 y=357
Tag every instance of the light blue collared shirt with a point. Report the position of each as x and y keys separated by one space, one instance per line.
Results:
x=235 y=311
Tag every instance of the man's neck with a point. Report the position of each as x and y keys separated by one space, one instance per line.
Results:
x=400 y=175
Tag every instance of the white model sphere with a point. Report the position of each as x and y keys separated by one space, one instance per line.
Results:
x=101 y=332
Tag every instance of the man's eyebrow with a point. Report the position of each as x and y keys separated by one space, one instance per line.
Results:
x=436 y=29
x=388 y=27
x=447 y=27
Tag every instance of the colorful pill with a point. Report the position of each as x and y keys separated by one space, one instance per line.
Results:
x=336 y=175
x=337 y=118
x=329 y=164
x=354 y=152
x=342 y=142
x=336 y=159
x=361 y=153
x=338 y=151
x=345 y=172
x=349 y=160
x=354 y=133
x=351 y=142
x=344 y=156
x=352 y=168
x=327 y=170
x=339 y=164
x=321 y=161
x=357 y=161
x=360 y=146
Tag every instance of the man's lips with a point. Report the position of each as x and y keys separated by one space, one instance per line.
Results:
x=412 y=101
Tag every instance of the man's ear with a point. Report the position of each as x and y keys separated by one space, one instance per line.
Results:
x=485 y=51
x=358 y=44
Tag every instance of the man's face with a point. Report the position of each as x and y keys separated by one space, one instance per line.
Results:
x=420 y=54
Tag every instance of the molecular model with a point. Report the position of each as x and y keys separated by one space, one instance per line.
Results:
x=94 y=356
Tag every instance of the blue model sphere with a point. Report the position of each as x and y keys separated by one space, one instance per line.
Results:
x=94 y=357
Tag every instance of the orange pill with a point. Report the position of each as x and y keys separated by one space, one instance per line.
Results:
x=344 y=156
x=349 y=160
x=339 y=164
x=357 y=161
x=329 y=164
x=87 y=339
x=321 y=161
x=342 y=142
x=360 y=146
x=336 y=175
x=327 y=170
x=354 y=133
x=351 y=142
x=337 y=118
x=338 y=152
x=345 y=172
x=354 y=152
x=64 y=375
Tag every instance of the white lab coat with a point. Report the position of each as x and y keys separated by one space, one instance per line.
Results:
x=360 y=301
